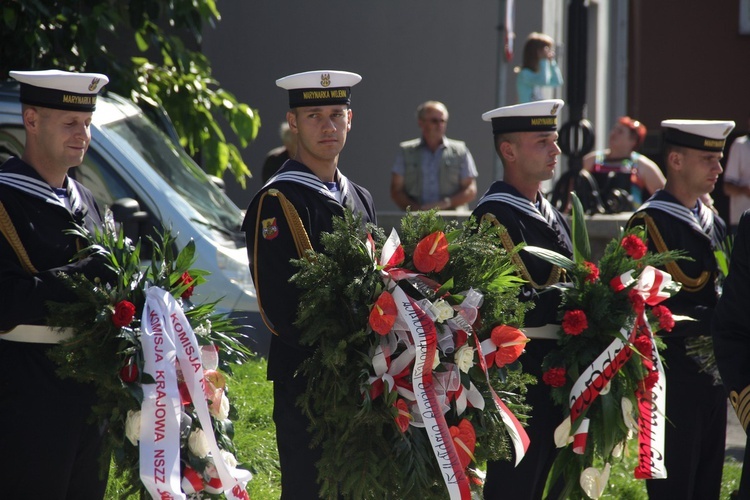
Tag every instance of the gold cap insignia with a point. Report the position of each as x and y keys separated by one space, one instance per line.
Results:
x=325 y=79
x=554 y=109
x=94 y=83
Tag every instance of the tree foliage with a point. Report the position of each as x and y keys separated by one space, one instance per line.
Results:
x=167 y=73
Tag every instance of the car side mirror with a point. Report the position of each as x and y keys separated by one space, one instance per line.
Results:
x=127 y=212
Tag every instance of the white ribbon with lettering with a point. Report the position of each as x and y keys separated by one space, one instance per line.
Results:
x=425 y=340
x=166 y=338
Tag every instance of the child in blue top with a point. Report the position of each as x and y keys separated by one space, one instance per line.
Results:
x=539 y=68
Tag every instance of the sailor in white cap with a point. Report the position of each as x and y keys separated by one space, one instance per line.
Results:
x=286 y=217
x=525 y=138
x=676 y=219
x=53 y=437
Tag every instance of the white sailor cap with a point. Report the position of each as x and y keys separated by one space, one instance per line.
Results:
x=319 y=88
x=527 y=117
x=60 y=89
x=708 y=135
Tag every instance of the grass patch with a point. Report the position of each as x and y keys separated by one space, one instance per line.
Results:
x=255 y=439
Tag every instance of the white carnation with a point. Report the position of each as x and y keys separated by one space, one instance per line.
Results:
x=443 y=310
x=133 y=426
x=464 y=358
x=198 y=443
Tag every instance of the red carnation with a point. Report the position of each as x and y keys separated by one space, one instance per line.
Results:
x=650 y=380
x=186 y=279
x=123 y=315
x=431 y=253
x=637 y=300
x=634 y=246
x=593 y=272
x=666 y=321
x=554 y=377
x=574 y=322
x=643 y=344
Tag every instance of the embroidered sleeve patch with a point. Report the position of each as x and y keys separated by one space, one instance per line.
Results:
x=270 y=229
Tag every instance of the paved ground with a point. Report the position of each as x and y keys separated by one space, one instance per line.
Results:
x=735 y=444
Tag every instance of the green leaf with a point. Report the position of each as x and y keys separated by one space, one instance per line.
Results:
x=551 y=256
x=581 y=244
x=141 y=42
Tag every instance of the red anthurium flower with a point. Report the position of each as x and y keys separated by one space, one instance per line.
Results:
x=554 y=377
x=574 y=322
x=383 y=314
x=124 y=313
x=593 y=272
x=129 y=372
x=510 y=343
x=403 y=417
x=431 y=253
x=186 y=279
x=465 y=439
x=634 y=246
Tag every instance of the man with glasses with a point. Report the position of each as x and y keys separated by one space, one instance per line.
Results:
x=433 y=171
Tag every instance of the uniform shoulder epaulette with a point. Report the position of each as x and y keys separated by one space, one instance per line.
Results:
x=652 y=232
x=557 y=273
x=741 y=404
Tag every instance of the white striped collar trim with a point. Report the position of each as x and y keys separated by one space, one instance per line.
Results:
x=522 y=204
x=42 y=190
x=313 y=182
x=702 y=223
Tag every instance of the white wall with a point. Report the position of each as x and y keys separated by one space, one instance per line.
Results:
x=407 y=52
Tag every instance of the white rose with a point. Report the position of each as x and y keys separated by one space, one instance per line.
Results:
x=133 y=426
x=228 y=459
x=464 y=358
x=198 y=443
x=443 y=310
x=223 y=411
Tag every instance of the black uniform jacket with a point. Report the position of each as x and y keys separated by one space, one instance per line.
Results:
x=671 y=226
x=731 y=324
x=543 y=227
x=40 y=219
x=271 y=246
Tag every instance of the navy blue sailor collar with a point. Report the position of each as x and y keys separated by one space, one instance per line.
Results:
x=294 y=171
x=701 y=220
x=503 y=192
x=21 y=176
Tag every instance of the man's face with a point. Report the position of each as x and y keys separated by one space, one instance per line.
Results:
x=63 y=136
x=536 y=154
x=433 y=123
x=699 y=169
x=321 y=130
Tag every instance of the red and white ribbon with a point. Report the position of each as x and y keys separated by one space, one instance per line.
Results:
x=517 y=434
x=597 y=375
x=425 y=339
x=168 y=339
x=580 y=437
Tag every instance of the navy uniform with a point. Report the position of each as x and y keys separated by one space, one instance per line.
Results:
x=731 y=333
x=284 y=218
x=44 y=419
x=696 y=405
x=535 y=223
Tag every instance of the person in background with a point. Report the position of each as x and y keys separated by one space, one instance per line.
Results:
x=433 y=171
x=539 y=68
x=737 y=178
x=525 y=138
x=625 y=177
x=675 y=218
x=277 y=156
x=50 y=447
x=284 y=219
x=731 y=335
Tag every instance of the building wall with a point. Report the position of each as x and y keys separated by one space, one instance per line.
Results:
x=407 y=52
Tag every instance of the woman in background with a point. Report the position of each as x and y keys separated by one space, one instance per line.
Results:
x=539 y=68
